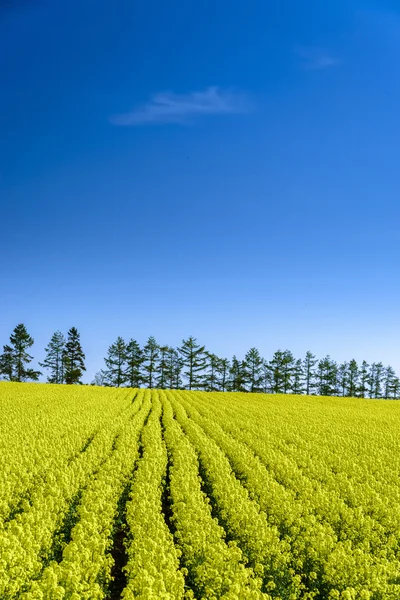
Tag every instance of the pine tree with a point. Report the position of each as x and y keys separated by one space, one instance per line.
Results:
x=99 y=379
x=133 y=364
x=379 y=377
x=288 y=370
x=309 y=364
x=267 y=382
x=15 y=357
x=174 y=369
x=371 y=380
x=396 y=388
x=237 y=376
x=54 y=358
x=389 y=377
x=115 y=372
x=327 y=377
x=73 y=358
x=253 y=371
x=343 y=378
x=353 y=378
x=277 y=369
x=151 y=353
x=223 y=374
x=363 y=385
x=7 y=363
x=211 y=375
x=162 y=368
x=193 y=357
x=298 y=377
x=375 y=380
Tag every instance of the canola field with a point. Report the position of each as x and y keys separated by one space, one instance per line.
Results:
x=150 y=494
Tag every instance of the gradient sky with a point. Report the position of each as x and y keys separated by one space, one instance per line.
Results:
x=228 y=170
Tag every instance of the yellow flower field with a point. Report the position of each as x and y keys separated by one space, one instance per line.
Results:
x=112 y=493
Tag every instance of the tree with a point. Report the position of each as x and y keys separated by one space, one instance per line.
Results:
x=267 y=382
x=115 y=372
x=396 y=388
x=276 y=372
x=74 y=358
x=298 y=377
x=281 y=369
x=253 y=370
x=375 y=380
x=99 y=379
x=389 y=382
x=151 y=353
x=327 y=377
x=343 y=378
x=15 y=357
x=54 y=358
x=309 y=363
x=379 y=377
x=362 y=388
x=174 y=368
x=7 y=363
x=237 y=376
x=133 y=364
x=162 y=368
x=211 y=376
x=193 y=357
x=353 y=376
x=223 y=374
x=288 y=370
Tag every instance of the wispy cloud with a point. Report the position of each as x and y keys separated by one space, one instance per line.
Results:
x=168 y=107
x=312 y=58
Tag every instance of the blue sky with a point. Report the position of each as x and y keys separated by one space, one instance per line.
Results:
x=226 y=170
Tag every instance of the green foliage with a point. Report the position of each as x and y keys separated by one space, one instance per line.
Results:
x=375 y=380
x=193 y=367
x=194 y=360
x=353 y=378
x=55 y=358
x=133 y=364
x=115 y=372
x=173 y=369
x=223 y=374
x=253 y=373
x=162 y=374
x=15 y=357
x=362 y=388
x=281 y=369
x=211 y=380
x=327 y=377
x=7 y=363
x=151 y=353
x=73 y=358
x=237 y=376
x=298 y=385
x=308 y=365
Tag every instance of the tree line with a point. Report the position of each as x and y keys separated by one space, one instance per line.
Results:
x=191 y=366
x=64 y=357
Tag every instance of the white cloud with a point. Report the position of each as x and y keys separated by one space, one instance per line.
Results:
x=168 y=107
x=312 y=58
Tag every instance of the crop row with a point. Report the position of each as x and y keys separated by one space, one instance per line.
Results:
x=172 y=495
x=326 y=565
